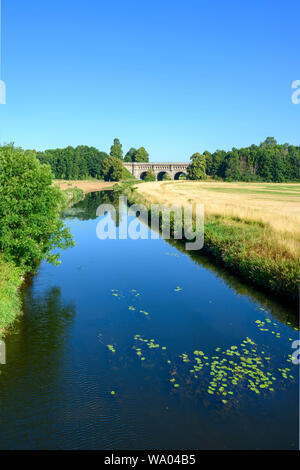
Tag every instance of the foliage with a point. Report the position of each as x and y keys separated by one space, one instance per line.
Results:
x=112 y=169
x=141 y=155
x=196 y=170
x=134 y=155
x=116 y=150
x=127 y=175
x=74 y=163
x=85 y=162
x=267 y=162
x=130 y=155
x=166 y=177
x=29 y=210
x=150 y=176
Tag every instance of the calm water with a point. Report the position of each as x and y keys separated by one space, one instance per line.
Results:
x=56 y=388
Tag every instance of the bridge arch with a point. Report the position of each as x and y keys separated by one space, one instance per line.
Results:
x=180 y=175
x=163 y=175
x=143 y=175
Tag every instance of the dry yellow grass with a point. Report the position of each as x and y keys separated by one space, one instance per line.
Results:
x=88 y=186
x=277 y=205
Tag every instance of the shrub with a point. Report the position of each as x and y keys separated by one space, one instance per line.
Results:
x=150 y=176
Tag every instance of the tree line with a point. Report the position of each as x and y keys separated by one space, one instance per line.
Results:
x=268 y=161
x=84 y=162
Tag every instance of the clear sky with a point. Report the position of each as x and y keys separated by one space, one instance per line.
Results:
x=176 y=77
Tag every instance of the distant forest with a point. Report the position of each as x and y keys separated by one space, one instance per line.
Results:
x=268 y=161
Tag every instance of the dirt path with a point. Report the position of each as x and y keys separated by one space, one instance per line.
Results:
x=86 y=185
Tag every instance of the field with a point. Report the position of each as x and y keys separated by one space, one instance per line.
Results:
x=253 y=227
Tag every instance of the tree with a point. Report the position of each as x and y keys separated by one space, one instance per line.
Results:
x=232 y=166
x=141 y=155
x=30 y=210
x=130 y=155
x=196 y=170
x=112 y=169
x=116 y=149
x=269 y=142
x=150 y=176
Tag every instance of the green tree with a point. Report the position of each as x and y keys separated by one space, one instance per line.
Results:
x=141 y=155
x=269 y=142
x=116 y=149
x=30 y=207
x=196 y=169
x=130 y=155
x=112 y=169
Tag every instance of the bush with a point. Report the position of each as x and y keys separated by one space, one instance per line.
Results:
x=29 y=210
x=150 y=176
x=127 y=175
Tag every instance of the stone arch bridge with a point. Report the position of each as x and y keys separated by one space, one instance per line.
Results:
x=173 y=170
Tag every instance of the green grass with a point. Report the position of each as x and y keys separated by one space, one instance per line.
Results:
x=10 y=304
x=247 y=250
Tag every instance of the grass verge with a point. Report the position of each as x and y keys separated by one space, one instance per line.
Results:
x=10 y=303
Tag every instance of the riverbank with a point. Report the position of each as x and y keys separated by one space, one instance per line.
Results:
x=10 y=303
x=11 y=277
x=251 y=229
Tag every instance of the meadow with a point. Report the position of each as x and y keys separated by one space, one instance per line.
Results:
x=253 y=228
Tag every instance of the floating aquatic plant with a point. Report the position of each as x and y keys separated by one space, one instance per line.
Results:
x=177 y=289
x=144 y=312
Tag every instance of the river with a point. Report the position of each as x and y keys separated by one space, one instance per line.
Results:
x=135 y=344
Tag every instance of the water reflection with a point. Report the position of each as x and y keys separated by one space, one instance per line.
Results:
x=142 y=310
x=284 y=311
x=38 y=339
x=87 y=208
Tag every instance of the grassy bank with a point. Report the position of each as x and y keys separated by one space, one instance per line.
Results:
x=252 y=229
x=10 y=304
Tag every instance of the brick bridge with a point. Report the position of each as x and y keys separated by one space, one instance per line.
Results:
x=173 y=170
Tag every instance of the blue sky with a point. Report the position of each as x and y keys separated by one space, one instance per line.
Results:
x=176 y=77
